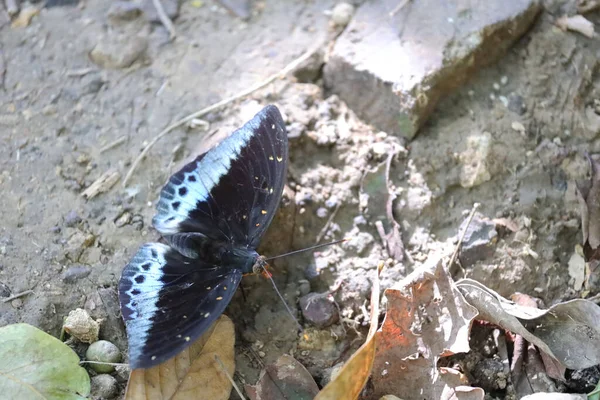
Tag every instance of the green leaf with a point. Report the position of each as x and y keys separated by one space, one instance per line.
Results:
x=36 y=365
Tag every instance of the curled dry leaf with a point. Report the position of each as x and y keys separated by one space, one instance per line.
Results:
x=354 y=374
x=569 y=332
x=192 y=374
x=36 y=365
x=284 y=379
x=427 y=318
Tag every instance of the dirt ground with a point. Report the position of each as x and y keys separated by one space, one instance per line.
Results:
x=59 y=111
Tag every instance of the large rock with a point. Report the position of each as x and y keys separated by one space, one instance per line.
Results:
x=391 y=66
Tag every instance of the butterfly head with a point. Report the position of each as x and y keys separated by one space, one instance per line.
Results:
x=260 y=267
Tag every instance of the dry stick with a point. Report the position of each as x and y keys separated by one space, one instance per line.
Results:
x=16 y=296
x=103 y=363
x=237 y=389
x=328 y=224
x=114 y=144
x=462 y=237
x=164 y=19
x=290 y=67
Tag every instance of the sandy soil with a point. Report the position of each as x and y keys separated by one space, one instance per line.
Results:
x=58 y=111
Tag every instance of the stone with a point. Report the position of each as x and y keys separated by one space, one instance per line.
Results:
x=81 y=326
x=393 y=70
x=319 y=309
x=479 y=242
x=73 y=274
x=121 y=11
x=489 y=375
x=103 y=351
x=516 y=104
x=104 y=386
x=310 y=69
x=118 y=51
x=474 y=160
x=342 y=14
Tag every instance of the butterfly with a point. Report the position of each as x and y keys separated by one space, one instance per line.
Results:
x=212 y=214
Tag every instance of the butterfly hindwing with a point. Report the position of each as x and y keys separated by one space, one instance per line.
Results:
x=231 y=192
x=169 y=300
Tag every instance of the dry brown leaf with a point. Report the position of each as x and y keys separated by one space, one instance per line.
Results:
x=192 y=374
x=569 y=332
x=427 y=318
x=354 y=374
x=286 y=378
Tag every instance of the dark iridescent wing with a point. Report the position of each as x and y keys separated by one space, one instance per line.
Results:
x=169 y=300
x=231 y=192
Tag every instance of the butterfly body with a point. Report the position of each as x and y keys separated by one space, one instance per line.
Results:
x=212 y=214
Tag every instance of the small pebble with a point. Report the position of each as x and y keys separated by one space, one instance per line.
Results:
x=504 y=80
x=516 y=104
x=517 y=126
x=342 y=14
x=304 y=287
x=73 y=274
x=104 y=386
x=360 y=220
x=322 y=212
x=103 y=351
x=496 y=86
x=17 y=303
x=503 y=100
x=332 y=202
x=318 y=309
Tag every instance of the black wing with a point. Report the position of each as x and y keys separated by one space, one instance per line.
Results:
x=169 y=300
x=231 y=192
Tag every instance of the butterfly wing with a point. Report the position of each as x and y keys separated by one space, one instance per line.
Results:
x=231 y=192
x=169 y=300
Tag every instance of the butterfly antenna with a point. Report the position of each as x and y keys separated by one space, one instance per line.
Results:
x=307 y=249
x=282 y=299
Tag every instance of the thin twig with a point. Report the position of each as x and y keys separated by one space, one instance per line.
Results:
x=462 y=237
x=237 y=389
x=328 y=224
x=114 y=144
x=104 y=363
x=288 y=68
x=164 y=19
x=399 y=7
x=16 y=296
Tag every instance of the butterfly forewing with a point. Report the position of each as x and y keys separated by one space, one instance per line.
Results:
x=169 y=300
x=231 y=192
